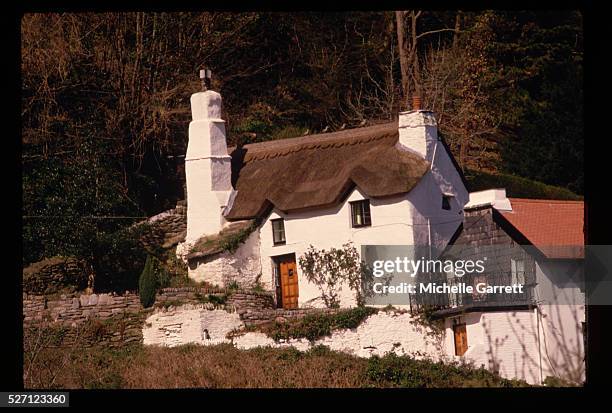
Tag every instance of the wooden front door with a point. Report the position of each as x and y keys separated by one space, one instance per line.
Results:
x=461 y=344
x=289 y=283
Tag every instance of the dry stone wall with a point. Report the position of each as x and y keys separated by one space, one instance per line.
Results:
x=167 y=229
x=181 y=317
x=74 y=310
x=56 y=274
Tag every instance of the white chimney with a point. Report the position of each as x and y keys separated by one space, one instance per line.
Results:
x=418 y=132
x=493 y=197
x=207 y=167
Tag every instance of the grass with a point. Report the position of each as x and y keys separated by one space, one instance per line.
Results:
x=224 y=366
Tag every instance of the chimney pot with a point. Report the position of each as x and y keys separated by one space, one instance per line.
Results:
x=416 y=102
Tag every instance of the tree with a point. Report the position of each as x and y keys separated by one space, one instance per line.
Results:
x=408 y=36
x=148 y=283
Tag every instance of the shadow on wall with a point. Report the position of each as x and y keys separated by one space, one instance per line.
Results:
x=548 y=343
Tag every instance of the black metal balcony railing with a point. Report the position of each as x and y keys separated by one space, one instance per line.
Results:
x=464 y=300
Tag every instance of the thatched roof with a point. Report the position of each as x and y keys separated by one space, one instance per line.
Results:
x=319 y=170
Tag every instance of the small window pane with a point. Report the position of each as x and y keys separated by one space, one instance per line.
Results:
x=446 y=202
x=360 y=212
x=278 y=231
x=518 y=271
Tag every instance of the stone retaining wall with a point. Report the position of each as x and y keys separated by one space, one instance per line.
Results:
x=116 y=331
x=73 y=309
x=387 y=331
x=167 y=229
x=252 y=317
x=56 y=274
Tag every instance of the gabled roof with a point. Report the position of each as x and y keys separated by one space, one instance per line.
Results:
x=319 y=170
x=555 y=227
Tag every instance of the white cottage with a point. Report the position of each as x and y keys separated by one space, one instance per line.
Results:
x=389 y=184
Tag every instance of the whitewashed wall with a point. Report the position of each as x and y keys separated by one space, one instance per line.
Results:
x=242 y=266
x=510 y=343
x=386 y=331
x=379 y=334
x=506 y=342
x=562 y=312
x=326 y=228
x=186 y=324
x=524 y=344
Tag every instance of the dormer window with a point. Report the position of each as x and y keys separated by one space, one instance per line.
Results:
x=446 y=202
x=278 y=231
x=360 y=213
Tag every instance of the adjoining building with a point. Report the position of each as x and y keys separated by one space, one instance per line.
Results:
x=538 y=244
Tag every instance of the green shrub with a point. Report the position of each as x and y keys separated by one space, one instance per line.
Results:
x=517 y=186
x=552 y=381
x=233 y=285
x=405 y=371
x=118 y=259
x=148 y=283
x=217 y=299
x=315 y=326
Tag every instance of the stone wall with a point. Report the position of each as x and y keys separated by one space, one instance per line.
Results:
x=189 y=324
x=76 y=310
x=252 y=317
x=167 y=229
x=386 y=331
x=56 y=274
x=72 y=309
x=115 y=331
x=252 y=299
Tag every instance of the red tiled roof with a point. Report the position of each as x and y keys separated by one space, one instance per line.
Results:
x=550 y=225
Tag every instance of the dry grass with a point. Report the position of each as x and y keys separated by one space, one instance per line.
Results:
x=224 y=366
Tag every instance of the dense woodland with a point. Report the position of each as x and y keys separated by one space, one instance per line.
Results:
x=105 y=102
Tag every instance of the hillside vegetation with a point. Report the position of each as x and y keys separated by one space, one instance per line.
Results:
x=516 y=186
x=224 y=366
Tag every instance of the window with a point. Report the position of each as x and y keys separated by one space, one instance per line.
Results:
x=446 y=202
x=278 y=231
x=518 y=271
x=360 y=213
